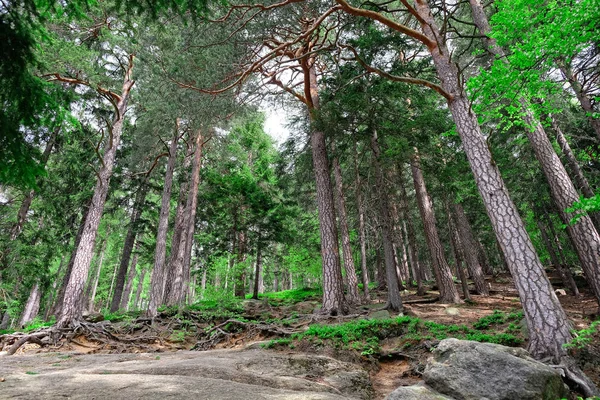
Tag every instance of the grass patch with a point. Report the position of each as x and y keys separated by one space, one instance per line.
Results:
x=291 y=296
x=365 y=336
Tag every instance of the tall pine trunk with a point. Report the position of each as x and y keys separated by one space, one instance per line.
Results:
x=129 y=284
x=443 y=275
x=458 y=249
x=32 y=306
x=470 y=249
x=584 y=100
x=73 y=299
x=394 y=302
x=136 y=212
x=362 y=237
x=352 y=295
x=157 y=282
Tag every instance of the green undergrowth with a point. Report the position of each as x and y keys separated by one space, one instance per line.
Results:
x=287 y=297
x=365 y=336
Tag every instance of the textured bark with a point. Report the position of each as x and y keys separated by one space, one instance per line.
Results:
x=547 y=321
x=138 y=292
x=24 y=209
x=334 y=302
x=483 y=258
x=239 y=270
x=361 y=228
x=352 y=295
x=184 y=231
x=443 y=275
x=157 y=283
x=563 y=272
x=394 y=302
x=61 y=291
x=413 y=257
x=129 y=285
x=583 y=98
x=580 y=179
x=32 y=306
x=5 y=322
x=94 y=284
x=136 y=212
x=193 y=204
x=73 y=300
x=469 y=246
x=458 y=250
x=583 y=233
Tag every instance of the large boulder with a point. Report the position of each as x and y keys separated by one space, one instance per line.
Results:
x=212 y=375
x=467 y=370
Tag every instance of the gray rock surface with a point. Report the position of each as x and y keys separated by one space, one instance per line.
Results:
x=416 y=392
x=469 y=370
x=217 y=374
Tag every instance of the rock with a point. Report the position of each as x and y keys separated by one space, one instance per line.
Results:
x=469 y=370
x=93 y=317
x=217 y=374
x=416 y=392
x=452 y=311
x=381 y=314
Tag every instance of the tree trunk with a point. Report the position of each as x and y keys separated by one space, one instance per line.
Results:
x=413 y=257
x=361 y=228
x=193 y=200
x=5 y=322
x=582 y=182
x=238 y=267
x=32 y=307
x=584 y=100
x=563 y=271
x=483 y=258
x=352 y=295
x=443 y=275
x=547 y=321
x=394 y=301
x=138 y=292
x=61 y=291
x=50 y=299
x=94 y=285
x=184 y=230
x=24 y=209
x=458 y=249
x=73 y=300
x=157 y=285
x=257 y=272
x=470 y=250
x=136 y=212
x=129 y=285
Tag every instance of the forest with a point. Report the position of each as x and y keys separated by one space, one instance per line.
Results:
x=266 y=169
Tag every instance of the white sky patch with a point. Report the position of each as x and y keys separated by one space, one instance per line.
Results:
x=276 y=123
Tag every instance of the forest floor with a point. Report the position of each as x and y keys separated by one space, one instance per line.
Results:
x=393 y=348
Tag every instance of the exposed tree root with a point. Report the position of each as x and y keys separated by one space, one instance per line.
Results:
x=575 y=378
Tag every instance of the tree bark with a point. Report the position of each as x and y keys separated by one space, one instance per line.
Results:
x=32 y=306
x=129 y=285
x=469 y=247
x=138 y=292
x=583 y=233
x=136 y=213
x=394 y=302
x=157 y=285
x=458 y=249
x=94 y=284
x=443 y=275
x=352 y=295
x=73 y=300
x=546 y=319
x=564 y=273
x=582 y=182
x=413 y=257
x=258 y=265
x=361 y=228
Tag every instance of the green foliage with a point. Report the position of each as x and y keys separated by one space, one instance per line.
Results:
x=583 y=337
x=365 y=335
x=497 y=318
x=292 y=296
x=38 y=323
